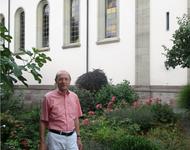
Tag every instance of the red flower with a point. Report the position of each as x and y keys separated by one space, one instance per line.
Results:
x=113 y=98
x=158 y=101
x=135 y=104
x=86 y=122
x=149 y=101
x=110 y=105
x=91 y=113
x=99 y=106
x=24 y=144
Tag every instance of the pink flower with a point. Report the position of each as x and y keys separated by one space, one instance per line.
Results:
x=135 y=104
x=113 y=98
x=149 y=101
x=99 y=106
x=110 y=105
x=91 y=113
x=109 y=110
x=86 y=122
x=158 y=101
x=24 y=144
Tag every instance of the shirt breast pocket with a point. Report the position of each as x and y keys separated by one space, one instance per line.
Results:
x=72 y=112
x=57 y=111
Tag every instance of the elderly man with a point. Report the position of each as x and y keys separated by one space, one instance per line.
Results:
x=60 y=115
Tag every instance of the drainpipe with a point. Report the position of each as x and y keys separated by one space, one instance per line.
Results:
x=87 y=35
x=8 y=22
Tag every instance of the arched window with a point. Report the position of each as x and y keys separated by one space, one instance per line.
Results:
x=2 y=19
x=108 y=21
x=2 y=22
x=43 y=25
x=19 y=30
x=45 y=35
x=71 y=23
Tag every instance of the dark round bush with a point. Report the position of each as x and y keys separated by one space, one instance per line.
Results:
x=92 y=81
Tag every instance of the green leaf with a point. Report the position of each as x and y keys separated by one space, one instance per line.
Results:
x=29 y=53
x=18 y=57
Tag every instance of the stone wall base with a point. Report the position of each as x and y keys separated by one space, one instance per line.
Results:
x=34 y=94
x=167 y=94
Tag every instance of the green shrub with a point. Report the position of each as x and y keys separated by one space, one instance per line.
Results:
x=119 y=140
x=168 y=138
x=20 y=129
x=123 y=143
x=31 y=118
x=12 y=127
x=133 y=143
x=125 y=91
x=122 y=91
x=119 y=118
x=87 y=100
x=163 y=113
x=92 y=81
x=94 y=145
x=184 y=97
x=104 y=94
x=140 y=117
x=13 y=104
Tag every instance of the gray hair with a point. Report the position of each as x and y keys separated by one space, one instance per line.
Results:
x=61 y=72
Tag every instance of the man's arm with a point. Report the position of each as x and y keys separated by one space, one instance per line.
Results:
x=43 y=126
x=77 y=129
x=77 y=126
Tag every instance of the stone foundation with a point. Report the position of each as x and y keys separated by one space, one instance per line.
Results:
x=34 y=94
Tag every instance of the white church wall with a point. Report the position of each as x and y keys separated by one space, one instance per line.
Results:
x=116 y=59
x=159 y=36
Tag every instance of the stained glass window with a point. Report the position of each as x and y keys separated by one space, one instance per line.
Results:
x=45 y=26
x=110 y=18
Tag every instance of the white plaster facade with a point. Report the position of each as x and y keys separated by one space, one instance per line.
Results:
x=116 y=59
x=159 y=36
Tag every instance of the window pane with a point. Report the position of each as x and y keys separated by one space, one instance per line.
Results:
x=110 y=19
x=45 y=35
x=167 y=21
x=2 y=21
x=74 y=21
x=22 y=30
x=2 y=41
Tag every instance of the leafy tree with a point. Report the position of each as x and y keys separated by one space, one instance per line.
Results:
x=11 y=72
x=179 y=54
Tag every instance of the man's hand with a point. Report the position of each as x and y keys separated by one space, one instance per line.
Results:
x=42 y=146
x=79 y=143
x=42 y=143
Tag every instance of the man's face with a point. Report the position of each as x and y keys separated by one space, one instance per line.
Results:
x=63 y=81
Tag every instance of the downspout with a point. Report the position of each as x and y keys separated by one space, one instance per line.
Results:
x=9 y=22
x=87 y=35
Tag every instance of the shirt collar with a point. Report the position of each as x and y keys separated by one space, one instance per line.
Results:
x=59 y=92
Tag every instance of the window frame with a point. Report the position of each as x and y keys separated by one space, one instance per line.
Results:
x=17 y=30
x=101 y=39
x=45 y=26
x=40 y=28
x=67 y=26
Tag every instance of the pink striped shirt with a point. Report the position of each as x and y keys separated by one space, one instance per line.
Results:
x=59 y=110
